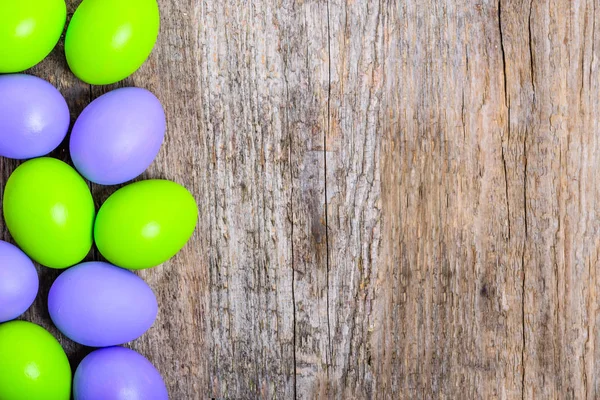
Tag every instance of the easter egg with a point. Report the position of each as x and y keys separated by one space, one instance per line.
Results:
x=29 y=30
x=33 y=365
x=19 y=282
x=34 y=116
x=108 y=40
x=49 y=211
x=117 y=373
x=145 y=223
x=99 y=305
x=118 y=136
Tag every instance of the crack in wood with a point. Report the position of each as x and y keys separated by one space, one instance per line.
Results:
x=291 y=218
x=326 y=208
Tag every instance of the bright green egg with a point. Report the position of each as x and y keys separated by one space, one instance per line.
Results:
x=49 y=211
x=144 y=224
x=33 y=365
x=108 y=40
x=29 y=30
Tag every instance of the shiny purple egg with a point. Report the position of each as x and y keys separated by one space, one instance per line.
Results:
x=99 y=305
x=19 y=282
x=117 y=136
x=34 y=117
x=117 y=373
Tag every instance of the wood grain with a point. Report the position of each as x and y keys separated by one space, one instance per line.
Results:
x=397 y=198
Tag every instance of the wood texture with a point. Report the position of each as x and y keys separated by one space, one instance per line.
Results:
x=397 y=198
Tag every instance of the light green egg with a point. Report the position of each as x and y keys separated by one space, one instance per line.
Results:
x=29 y=30
x=33 y=365
x=49 y=211
x=108 y=40
x=146 y=223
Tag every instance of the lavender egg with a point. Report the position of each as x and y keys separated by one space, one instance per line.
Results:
x=34 y=117
x=117 y=373
x=118 y=135
x=99 y=305
x=19 y=282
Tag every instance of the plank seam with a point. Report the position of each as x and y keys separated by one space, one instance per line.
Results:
x=330 y=352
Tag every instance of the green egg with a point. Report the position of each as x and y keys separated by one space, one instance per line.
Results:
x=49 y=211
x=108 y=40
x=29 y=30
x=33 y=365
x=144 y=224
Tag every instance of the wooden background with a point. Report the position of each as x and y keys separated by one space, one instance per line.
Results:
x=398 y=199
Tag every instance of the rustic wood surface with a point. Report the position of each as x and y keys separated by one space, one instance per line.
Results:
x=397 y=199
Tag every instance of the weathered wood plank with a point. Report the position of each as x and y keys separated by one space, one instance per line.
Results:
x=304 y=50
x=561 y=252
x=491 y=217
x=352 y=154
x=449 y=303
x=243 y=117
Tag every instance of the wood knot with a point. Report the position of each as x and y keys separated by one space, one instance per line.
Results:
x=484 y=291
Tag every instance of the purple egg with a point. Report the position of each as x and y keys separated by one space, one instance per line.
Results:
x=34 y=117
x=100 y=305
x=117 y=373
x=19 y=282
x=118 y=135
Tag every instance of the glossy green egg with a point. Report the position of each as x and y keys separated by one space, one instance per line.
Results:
x=144 y=224
x=49 y=211
x=108 y=40
x=29 y=30
x=33 y=365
